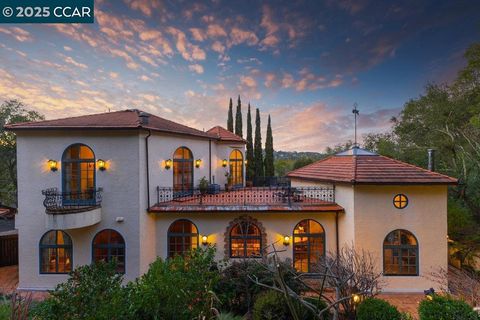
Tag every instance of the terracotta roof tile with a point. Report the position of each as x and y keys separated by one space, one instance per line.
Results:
x=368 y=169
x=223 y=134
x=125 y=119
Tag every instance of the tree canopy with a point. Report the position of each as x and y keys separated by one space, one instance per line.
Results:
x=11 y=111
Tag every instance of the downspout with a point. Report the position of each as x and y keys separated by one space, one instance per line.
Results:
x=336 y=234
x=210 y=161
x=148 y=169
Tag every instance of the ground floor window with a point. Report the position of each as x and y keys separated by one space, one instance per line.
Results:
x=109 y=245
x=182 y=237
x=56 y=252
x=308 y=245
x=245 y=239
x=400 y=254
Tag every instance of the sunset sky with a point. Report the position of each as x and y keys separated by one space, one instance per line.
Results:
x=303 y=62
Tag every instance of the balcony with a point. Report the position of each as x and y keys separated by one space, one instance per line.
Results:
x=72 y=210
x=282 y=198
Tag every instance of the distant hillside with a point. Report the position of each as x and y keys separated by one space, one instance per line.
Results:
x=286 y=161
x=294 y=155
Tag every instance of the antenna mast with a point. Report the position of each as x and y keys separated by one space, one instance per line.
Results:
x=355 y=112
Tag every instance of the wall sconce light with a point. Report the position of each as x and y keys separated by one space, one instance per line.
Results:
x=53 y=165
x=102 y=165
x=198 y=162
x=224 y=163
x=286 y=240
x=168 y=164
x=205 y=240
x=246 y=162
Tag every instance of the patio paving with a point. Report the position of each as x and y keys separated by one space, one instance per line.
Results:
x=9 y=283
x=405 y=302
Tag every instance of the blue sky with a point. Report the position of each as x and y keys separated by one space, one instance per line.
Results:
x=303 y=62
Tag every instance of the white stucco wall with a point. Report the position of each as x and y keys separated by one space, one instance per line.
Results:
x=425 y=216
x=124 y=192
x=120 y=197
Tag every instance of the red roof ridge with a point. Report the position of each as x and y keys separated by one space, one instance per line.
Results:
x=224 y=134
x=417 y=167
x=18 y=124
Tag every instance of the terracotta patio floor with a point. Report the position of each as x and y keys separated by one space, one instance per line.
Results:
x=405 y=302
x=9 y=283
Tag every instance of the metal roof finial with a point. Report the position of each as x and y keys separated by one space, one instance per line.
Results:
x=355 y=112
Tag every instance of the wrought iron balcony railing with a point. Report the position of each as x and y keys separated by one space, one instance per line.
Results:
x=57 y=202
x=249 y=196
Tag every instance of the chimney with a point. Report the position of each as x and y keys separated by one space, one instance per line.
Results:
x=143 y=117
x=431 y=159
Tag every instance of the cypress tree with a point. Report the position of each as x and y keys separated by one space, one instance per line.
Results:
x=230 y=117
x=269 y=167
x=238 y=119
x=257 y=148
x=250 y=169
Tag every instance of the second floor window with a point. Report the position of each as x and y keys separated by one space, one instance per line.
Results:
x=78 y=174
x=183 y=170
x=236 y=167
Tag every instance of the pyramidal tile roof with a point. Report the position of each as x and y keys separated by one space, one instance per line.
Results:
x=223 y=134
x=364 y=167
x=125 y=119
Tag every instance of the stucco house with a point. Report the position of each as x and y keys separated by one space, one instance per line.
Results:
x=126 y=185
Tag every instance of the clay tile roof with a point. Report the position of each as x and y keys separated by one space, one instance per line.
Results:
x=368 y=168
x=223 y=134
x=125 y=119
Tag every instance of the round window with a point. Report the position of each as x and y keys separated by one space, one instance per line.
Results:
x=400 y=201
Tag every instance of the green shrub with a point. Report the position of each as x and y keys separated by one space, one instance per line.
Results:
x=237 y=291
x=269 y=306
x=446 y=308
x=177 y=288
x=5 y=309
x=228 y=316
x=272 y=305
x=377 y=309
x=91 y=292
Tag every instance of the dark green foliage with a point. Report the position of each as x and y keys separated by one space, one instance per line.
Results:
x=302 y=162
x=269 y=167
x=271 y=305
x=238 y=119
x=237 y=291
x=446 y=308
x=177 y=288
x=377 y=309
x=230 y=116
x=11 y=111
x=250 y=168
x=257 y=148
x=92 y=292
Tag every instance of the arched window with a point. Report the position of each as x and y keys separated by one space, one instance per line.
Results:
x=109 y=245
x=236 y=167
x=56 y=252
x=78 y=174
x=245 y=240
x=183 y=171
x=308 y=245
x=400 y=254
x=182 y=237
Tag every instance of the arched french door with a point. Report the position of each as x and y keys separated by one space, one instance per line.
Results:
x=236 y=167
x=308 y=245
x=183 y=171
x=78 y=175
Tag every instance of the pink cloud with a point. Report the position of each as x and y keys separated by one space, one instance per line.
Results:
x=18 y=33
